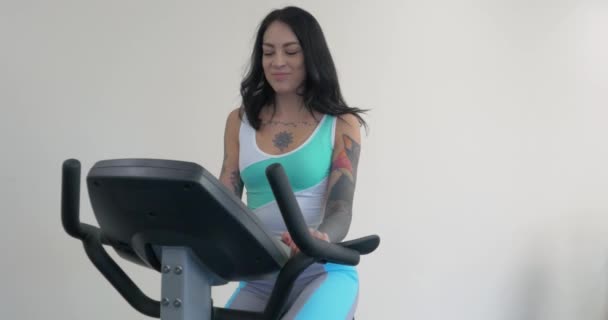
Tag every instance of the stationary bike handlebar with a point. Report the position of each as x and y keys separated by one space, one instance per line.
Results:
x=70 y=198
x=93 y=240
x=70 y=203
x=290 y=210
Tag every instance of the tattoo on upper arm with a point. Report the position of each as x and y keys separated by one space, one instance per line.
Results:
x=345 y=164
x=347 y=160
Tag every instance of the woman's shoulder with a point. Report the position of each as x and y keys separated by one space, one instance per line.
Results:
x=233 y=122
x=234 y=117
x=235 y=114
x=348 y=122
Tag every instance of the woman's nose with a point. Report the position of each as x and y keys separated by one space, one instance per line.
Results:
x=279 y=60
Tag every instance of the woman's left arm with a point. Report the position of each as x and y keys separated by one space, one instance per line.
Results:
x=343 y=175
x=341 y=186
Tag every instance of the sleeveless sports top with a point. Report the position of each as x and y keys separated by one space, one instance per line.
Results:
x=307 y=168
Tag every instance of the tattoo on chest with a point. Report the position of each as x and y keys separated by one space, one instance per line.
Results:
x=282 y=140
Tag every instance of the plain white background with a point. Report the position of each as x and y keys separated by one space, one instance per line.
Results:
x=484 y=171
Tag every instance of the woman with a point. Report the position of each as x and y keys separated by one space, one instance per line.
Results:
x=293 y=113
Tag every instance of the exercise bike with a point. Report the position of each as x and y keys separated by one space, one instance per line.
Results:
x=178 y=219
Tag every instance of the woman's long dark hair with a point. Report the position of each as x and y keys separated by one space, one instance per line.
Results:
x=321 y=88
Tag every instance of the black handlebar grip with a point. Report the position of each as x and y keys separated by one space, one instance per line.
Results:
x=292 y=215
x=70 y=198
x=116 y=276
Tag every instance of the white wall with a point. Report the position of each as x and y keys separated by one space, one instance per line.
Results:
x=484 y=170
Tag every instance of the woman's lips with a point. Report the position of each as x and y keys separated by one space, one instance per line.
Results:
x=280 y=76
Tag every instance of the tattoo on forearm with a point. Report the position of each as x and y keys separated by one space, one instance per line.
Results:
x=338 y=207
x=338 y=216
x=236 y=182
x=338 y=211
x=282 y=140
x=234 y=178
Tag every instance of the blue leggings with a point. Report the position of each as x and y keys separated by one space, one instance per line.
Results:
x=321 y=292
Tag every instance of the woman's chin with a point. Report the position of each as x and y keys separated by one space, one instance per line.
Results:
x=284 y=90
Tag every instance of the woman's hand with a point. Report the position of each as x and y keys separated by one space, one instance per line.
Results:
x=286 y=238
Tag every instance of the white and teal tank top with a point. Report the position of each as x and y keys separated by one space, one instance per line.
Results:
x=307 y=167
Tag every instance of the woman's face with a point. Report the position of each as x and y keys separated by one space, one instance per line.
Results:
x=282 y=59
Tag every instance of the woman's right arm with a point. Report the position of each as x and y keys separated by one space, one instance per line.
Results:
x=230 y=175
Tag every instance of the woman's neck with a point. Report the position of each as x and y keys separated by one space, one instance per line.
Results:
x=289 y=106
